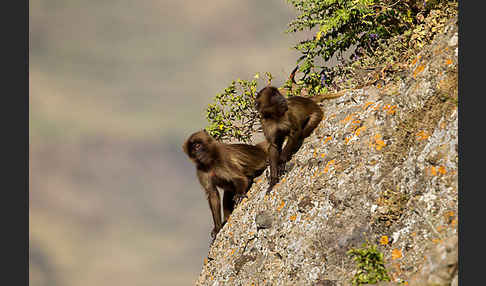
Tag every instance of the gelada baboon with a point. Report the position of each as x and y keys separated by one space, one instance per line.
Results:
x=292 y=118
x=231 y=167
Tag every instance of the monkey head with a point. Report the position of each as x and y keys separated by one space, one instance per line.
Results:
x=270 y=103
x=199 y=148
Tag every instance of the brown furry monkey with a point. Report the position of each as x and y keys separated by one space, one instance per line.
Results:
x=231 y=167
x=292 y=118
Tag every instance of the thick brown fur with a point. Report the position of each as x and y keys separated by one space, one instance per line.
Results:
x=292 y=118
x=232 y=167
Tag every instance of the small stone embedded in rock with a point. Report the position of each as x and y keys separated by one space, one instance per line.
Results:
x=304 y=203
x=241 y=261
x=326 y=283
x=263 y=220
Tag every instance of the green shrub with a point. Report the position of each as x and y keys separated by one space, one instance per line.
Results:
x=314 y=84
x=340 y=24
x=231 y=115
x=370 y=264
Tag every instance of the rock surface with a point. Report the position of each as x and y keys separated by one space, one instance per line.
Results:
x=382 y=163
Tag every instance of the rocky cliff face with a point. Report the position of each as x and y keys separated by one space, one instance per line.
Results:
x=381 y=168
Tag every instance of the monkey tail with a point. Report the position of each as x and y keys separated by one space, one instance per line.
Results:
x=322 y=97
x=292 y=74
x=292 y=80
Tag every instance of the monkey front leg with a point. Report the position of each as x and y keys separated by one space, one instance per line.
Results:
x=274 y=164
x=215 y=206
x=293 y=142
x=214 y=201
x=314 y=120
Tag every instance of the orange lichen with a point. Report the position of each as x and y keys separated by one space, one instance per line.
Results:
x=347 y=118
x=358 y=131
x=449 y=214
x=326 y=169
x=415 y=60
x=418 y=70
x=436 y=240
x=448 y=62
x=282 y=204
x=390 y=109
x=396 y=253
x=433 y=171
x=293 y=217
x=328 y=138
x=323 y=155
x=379 y=143
x=347 y=139
x=384 y=240
x=367 y=105
x=442 y=170
x=422 y=135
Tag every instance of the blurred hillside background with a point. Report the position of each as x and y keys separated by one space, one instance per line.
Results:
x=115 y=88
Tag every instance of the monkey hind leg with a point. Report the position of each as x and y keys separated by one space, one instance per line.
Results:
x=314 y=120
x=228 y=204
